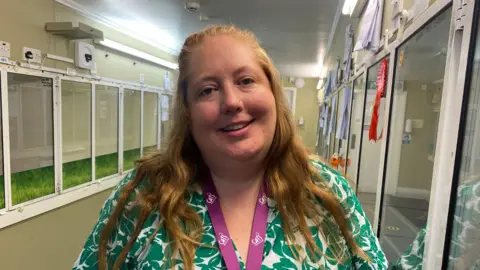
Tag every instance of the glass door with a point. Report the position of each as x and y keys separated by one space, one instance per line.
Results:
x=367 y=179
x=415 y=105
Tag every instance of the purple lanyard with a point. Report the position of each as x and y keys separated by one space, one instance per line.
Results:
x=257 y=236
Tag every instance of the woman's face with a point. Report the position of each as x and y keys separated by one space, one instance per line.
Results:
x=231 y=104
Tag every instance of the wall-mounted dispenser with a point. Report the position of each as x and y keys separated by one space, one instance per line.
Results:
x=85 y=55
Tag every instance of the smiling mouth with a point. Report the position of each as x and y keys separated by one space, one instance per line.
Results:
x=236 y=126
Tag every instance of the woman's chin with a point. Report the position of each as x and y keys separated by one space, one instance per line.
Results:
x=239 y=154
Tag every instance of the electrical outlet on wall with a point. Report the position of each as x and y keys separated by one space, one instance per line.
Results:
x=32 y=55
x=4 y=49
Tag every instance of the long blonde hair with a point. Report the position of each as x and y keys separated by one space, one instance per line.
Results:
x=168 y=176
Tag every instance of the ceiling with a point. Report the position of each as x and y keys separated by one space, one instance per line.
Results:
x=295 y=33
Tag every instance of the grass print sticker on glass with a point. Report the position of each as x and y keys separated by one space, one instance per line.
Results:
x=31 y=137
x=106 y=131
x=76 y=133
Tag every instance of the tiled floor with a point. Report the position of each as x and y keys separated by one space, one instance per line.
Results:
x=401 y=220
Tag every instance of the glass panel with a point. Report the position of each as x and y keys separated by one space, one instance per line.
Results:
x=465 y=235
x=30 y=108
x=2 y=179
x=416 y=98
x=166 y=108
x=150 y=123
x=370 y=150
x=106 y=131
x=131 y=127
x=76 y=133
x=355 y=129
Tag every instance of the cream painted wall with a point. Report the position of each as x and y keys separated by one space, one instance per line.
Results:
x=415 y=168
x=51 y=241
x=307 y=106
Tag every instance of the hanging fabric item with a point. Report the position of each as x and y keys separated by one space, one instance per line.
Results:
x=381 y=83
x=336 y=76
x=333 y=116
x=347 y=91
x=326 y=114
x=342 y=130
x=320 y=123
x=321 y=120
x=369 y=35
x=328 y=84
x=347 y=53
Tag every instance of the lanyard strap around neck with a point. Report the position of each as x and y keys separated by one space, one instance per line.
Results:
x=257 y=235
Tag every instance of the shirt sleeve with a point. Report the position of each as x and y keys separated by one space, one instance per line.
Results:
x=355 y=217
x=88 y=258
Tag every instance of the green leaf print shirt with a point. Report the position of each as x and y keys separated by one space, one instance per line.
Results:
x=277 y=253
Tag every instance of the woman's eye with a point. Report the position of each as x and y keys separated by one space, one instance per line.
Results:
x=206 y=91
x=246 y=81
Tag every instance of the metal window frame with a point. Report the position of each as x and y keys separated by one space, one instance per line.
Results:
x=6 y=136
x=60 y=186
x=62 y=196
x=5 y=141
x=470 y=39
x=118 y=86
x=59 y=133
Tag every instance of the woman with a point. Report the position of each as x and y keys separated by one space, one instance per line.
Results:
x=234 y=188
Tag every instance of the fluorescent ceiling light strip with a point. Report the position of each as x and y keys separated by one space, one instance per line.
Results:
x=134 y=52
x=349 y=6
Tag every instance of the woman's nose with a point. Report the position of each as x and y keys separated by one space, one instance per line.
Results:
x=231 y=99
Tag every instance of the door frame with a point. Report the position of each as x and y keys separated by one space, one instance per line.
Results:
x=466 y=54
